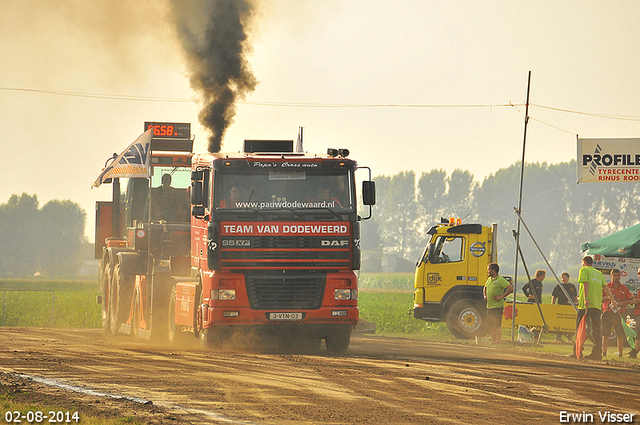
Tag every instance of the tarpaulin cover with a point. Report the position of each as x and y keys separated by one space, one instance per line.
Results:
x=625 y=243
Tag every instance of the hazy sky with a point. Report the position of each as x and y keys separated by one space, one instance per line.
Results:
x=434 y=59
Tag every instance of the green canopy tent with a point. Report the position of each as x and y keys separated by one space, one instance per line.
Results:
x=625 y=243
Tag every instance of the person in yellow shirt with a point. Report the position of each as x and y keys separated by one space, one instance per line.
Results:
x=495 y=291
x=592 y=284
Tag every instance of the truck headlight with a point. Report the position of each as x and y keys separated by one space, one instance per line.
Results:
x=342 y=294
x=227 y=294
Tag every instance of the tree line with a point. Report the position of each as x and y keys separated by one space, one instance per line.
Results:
x=559 y=213
x=46 y=241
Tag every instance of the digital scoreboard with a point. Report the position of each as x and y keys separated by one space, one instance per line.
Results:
x=170 y=136
x=169 y=130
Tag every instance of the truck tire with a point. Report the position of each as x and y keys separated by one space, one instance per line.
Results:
x=105 y=283
x=121 y=295
x=175 y=334
x=338 y=340
x=211 y=338
x=466 y=319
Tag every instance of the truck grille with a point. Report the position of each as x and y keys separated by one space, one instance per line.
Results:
x=280 y=242
x=285 y=291
x=271 y=252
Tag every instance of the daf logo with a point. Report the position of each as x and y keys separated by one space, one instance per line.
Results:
x=334 y=243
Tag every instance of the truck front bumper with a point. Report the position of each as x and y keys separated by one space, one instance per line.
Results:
x=431 y=312
x=231 y=316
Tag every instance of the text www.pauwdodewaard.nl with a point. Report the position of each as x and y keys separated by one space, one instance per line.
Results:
x=286 y=204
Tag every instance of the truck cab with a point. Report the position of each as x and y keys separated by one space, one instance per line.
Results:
x=275 y=246
x=450 y=275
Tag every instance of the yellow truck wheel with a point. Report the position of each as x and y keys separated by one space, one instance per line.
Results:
x=466 y=319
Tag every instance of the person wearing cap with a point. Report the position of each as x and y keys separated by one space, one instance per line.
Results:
x=610 y=315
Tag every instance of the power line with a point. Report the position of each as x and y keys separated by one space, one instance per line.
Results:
x=376 y=105
x=322 y=105
x=97 y=95
x=551 y=125
x=591 y=114
x=548 y=191
x=277 y=104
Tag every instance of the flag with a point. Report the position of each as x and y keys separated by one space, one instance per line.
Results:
x=629 y=333
x=581 y=335
x=132 y=162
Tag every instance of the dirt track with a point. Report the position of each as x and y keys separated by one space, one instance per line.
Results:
x=379 y=381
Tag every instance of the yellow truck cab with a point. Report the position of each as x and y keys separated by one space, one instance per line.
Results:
x=450 y=276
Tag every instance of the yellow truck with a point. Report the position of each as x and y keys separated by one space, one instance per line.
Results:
x=451 y=273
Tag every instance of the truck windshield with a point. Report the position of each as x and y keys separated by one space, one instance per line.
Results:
x=169 y=194
x=285 y=190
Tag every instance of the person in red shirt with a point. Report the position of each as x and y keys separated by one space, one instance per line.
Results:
x=610 y=315
x=636 y=313
x=233 y=199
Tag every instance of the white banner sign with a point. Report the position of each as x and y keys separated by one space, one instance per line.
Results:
x=628 y=269
x=133 y=162
x=608 y=160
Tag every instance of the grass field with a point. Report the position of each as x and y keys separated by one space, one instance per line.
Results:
x=385 y=299
x=49 y=303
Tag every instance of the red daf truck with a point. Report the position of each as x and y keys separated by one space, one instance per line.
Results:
x=266 y=240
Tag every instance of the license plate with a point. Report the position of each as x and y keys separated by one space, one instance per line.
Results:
x=285 y=316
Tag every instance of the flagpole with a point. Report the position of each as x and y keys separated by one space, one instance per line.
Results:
x=519 y=210
x=300 y=141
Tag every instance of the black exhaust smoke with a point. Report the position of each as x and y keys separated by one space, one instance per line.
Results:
x=213 y=34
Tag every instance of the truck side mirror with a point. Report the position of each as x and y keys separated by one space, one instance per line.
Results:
x=197 y=211
x=196 y=193
x=199 y=192
x=369 y=192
